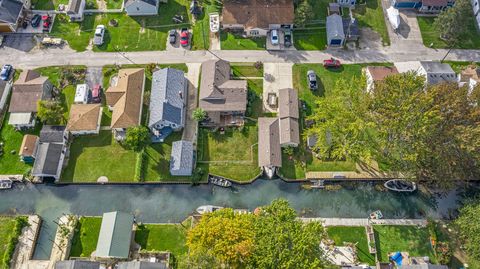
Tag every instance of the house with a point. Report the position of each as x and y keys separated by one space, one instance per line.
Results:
x=476 y=11
x=77 y=264
x=351 y=29
x=406 y=4
x=257 y=17
x=142 y=265
x=435 y=6
x=469 y=77
x=347 y=3
x=75 y=10
x=376 y=74
x=115 y=236
x=84 y=119
x=5 y=88
x=224 y=99
x=125 y=99
x=81 y=94
x=334 y=8
x=51 y=151
x=28 y=149
x=335 y=32
x=12 y=13
x=269 y=150
x=181 y=158
x=167 y=103
x=142 y=7
x=27 y=91
x=288 y=117
x=436 y=72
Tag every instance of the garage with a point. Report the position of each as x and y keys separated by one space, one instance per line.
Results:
x=335 y=33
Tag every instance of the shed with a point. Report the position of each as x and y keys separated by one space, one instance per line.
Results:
x=335 y=33
x=115 y=235
x=181 y=158
x=28 y=148
x=81 y=94
x=77 y=264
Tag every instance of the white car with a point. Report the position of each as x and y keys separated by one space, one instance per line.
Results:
x=274 y=37
x=99 y=33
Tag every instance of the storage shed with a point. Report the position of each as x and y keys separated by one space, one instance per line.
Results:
x=335 y=33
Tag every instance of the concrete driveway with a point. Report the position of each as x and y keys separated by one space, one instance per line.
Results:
x=276 y=76
x=190 y=130
x=93 y=76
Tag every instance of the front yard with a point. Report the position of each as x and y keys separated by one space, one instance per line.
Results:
x=230 y=41
x=162 y=237
x=371 y=15
x=85 y=239
x=431 y=37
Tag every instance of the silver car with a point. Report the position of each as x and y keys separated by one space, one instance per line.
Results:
x=312 y=80
x=99 y=34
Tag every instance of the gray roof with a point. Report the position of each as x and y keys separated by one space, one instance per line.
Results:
x=335 y=27
x=438 y=72
x=77 y=264
x=289 y=131
x=141 y=265
x=269 y=151
x=115 y=235
x=52 y=134
x=149 y=2
x=74 y=6
x=168 y=95
x=288 y=103
x=181 y=158
x=47 y=159
x=10 y=10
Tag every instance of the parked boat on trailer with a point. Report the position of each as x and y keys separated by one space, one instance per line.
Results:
x=219 y=181
x=207 y=209
x=400 y=185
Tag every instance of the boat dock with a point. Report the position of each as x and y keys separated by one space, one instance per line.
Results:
x=362 y=172
x=365 y=222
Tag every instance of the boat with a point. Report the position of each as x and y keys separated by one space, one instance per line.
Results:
x=393 y=17
x=5 y=184
x=214 y=22
x=400 y=185
x=207 y=209
x=219 y=181
x=318 y=184
x=376 y=215
x=270 y=171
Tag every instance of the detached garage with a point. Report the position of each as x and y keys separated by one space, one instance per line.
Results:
x=335 y=33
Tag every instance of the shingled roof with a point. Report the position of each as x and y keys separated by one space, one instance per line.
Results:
x=27 y=91
x=84 y=117
x=181 y=158
x=10 y=10
x=115 y=235
x=258 y=13
x=269 y=151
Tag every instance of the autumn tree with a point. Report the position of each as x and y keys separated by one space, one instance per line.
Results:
x=468 y=224
x=452 y=23
x=137 y=138
x=50 y=111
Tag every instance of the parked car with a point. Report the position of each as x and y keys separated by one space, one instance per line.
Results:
x=6 y=71
x=172 y=36
x=35 y=22
x=312 y=80
x=47 y=20
x=96 y=94
x=99 y=34
x=184 y=36
x=287 y=38
x=332 y=62
x=274 y=37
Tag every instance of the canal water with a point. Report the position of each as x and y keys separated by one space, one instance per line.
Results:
x=172 y=203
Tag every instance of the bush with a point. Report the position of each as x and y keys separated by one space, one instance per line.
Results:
x=140 y=166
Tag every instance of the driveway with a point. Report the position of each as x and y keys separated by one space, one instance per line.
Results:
x=190 y=130
x=94 y=76
x=276 y=76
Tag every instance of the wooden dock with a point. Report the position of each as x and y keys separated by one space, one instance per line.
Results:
x=365 y=222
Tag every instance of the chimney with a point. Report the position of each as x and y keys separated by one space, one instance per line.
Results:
x=180 y=94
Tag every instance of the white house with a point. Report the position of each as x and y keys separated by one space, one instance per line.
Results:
x=81 y=94
x=75 y=10
x=347 y=3
x=436 y=72
x=51 y=151
x=470 y=77
x=141 y=7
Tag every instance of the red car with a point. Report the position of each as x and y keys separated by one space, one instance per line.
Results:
x=184 y=37
x=332 y=62
x=46 y=22
x=97 y=94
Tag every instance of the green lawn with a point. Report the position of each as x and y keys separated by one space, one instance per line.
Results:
x=230 y=41
x=246 y=70
x=411 y=239
x=93 y=156
x=77 y=34
x=201 y=27
x=10 y=163
x=232 y=154
x=10 y=230
x=114 y=4
x=431 y=37
x=314 y=39
x=47 y=4
x=7 y=225
x=85 y=239
x=371 y=15
x=356 y=235
x=162 y=237
x=255 y=107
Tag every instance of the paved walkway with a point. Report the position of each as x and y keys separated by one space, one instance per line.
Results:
x=365 y=222
x=190 y=130
x=276 y=76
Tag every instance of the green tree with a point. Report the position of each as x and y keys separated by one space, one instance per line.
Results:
x=199 y=114
x=303 y=13
x=452 y=23
x=468 y=224
x=50 y=111
x=137 y=138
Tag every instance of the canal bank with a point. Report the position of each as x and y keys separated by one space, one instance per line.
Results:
x=172 y=203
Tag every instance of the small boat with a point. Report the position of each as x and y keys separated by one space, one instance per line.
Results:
x=270 y=171
x=400 y=185
x=376 y=215
x=5 y=184
x=207 y=209
x=318 y=184
x=214 y=22
x=393 y=17
x=219 y=181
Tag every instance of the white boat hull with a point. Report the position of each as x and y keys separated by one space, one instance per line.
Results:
x=214 y=22
x=207 y=209
x=270 y=171
x=393 y=17
x=411 y=188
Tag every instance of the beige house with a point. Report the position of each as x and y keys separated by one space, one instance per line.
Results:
x=125 y=99
x=84 y=119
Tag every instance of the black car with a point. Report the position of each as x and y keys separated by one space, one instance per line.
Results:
x=36 y=20
x=172 y=36
x=287 y=38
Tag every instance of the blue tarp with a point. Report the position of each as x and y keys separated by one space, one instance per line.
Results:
x=397 y=258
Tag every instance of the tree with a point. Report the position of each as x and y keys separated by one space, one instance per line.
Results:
x=199 y=114
x=50 y=111
x=223 y=236
x=451 y=23
x=468 y=224
x=137 y=138
x=303 y=13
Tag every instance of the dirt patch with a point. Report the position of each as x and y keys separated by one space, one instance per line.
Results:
x=369 y=39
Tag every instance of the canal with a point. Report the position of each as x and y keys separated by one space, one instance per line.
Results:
x=172 y=203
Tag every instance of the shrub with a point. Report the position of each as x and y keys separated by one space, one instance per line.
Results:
x=140 y=166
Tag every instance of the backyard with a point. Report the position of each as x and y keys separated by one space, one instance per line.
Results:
x=162 y=237
x=230 y=41
x=84 y=241
x=10 y=230
x=355 y=235
x=431 y=37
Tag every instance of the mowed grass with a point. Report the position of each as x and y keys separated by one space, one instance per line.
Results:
x=411 y=239
x=85 y=239
x=10 y=163
x=47 y=4
x=201 y=26
x=230 y=41
x=7 y=225
x=371 y=15
x=77 y=34
x=162 y=237
x=355 y=235
x=233 y=154
x=306 y=39
x=246 y=70
x=431 y=37
x=93 y=156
